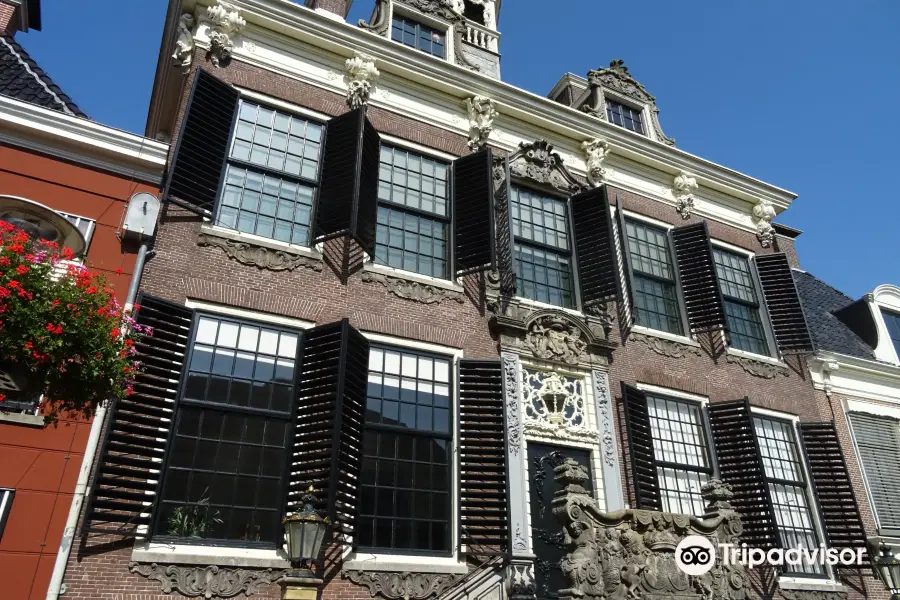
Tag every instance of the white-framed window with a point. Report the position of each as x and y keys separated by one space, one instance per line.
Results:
x=84 y=225
x=6 y=500
x=877 y=440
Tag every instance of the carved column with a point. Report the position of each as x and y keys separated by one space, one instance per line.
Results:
x=609 y=447
x=520 y=573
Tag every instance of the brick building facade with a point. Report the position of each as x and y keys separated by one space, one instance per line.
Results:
x=431 y=307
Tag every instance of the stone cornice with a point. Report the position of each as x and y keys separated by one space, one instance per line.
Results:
x=275 y=19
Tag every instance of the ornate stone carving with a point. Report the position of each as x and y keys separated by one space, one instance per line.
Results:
x=665 y=347
x=378 y=23
x=555 y=337
x=555 y=405
x=360 y=75
x=763 y=213
x=206 y=582
x=630 y=553
x=259 y=256
x=813 y=594
x=604 y=416
x=184 y=45
x=413 y=290
x=482 y=113
x=405 y=586
x=225 y=21
x=511 y=399
x=539 y=163
x=595 y=152
x=520 y=580
x=757 y=368
x=684 y=187
x=617 y=79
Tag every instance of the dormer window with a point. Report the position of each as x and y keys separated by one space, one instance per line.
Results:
x=892 y=320
x=419 y=36
x=625 y=116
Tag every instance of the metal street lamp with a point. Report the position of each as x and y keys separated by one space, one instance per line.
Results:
x=305 y=531
x=889 y=569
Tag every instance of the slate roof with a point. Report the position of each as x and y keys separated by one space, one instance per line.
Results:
x=820 y=300
x=21 y=78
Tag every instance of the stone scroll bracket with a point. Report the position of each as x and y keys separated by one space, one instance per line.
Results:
x=520 y=540
x=609 y=447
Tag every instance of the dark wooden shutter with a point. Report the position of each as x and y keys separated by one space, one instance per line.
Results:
x=125 y=487
x=640 y=449
x=595 y=247
x=202 y=145
x=483 y=486
x=740 y=464
x=878 y=441
x=783 y=303
x=503 y=232
x=328 y=438
x=699 y=283
x=473 y=211
x=348 y=192
x=623 y=264
x=831 y=483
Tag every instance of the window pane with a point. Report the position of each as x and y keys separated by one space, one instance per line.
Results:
x=417 y=35
x=272 y=133
x=625 y=116
x=741 y=304
x=411 y=242
x=539 y=218
x=892 y=320
x=543 y=276
x=654 y=290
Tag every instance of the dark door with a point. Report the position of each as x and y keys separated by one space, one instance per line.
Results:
x=546 y=532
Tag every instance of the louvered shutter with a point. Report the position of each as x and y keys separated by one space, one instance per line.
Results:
x=878 y=441
x=699 y=283
x=595 y=247
x=740 y=464
x=126 y=482
x=348 y=191
x=328 y=438
x=483 y=486
x=503 y=233
x=783 y=303
x=203 y=145
x=831 y=483
x=623 y=269
x=473 y=212
x=640 y=449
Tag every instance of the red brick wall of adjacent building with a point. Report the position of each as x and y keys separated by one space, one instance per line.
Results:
x=42 y=463
x=7 y=13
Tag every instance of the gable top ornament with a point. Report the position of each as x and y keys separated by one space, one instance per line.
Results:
x=617 y=79
x=538 y=162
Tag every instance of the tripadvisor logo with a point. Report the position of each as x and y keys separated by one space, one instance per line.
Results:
x=695 y=555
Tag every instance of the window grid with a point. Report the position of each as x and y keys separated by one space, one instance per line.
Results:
x=6 y=500
x=784 y=471
x=892 y=320
x=271 y=176
x=625 y=116
x=681 y=452
x=84 y=225
x=655 y=294
x=419 y=36
x=405 y=493
x=413 y=213
x=742 y=310
x=226 y=467
x=542 y=247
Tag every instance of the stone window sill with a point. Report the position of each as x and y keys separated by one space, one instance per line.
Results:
x=410 y=276
x=401 y=564
x=665 y=335
x=22 y=419
x=542 y=305
x=757 y=357
x=809 y=584
x=231 y=234
x=150 y=552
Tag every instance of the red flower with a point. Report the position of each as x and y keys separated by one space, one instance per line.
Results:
x=91 y=290
x=4 y=292
x=13 y=284
x=29 y=345
x=115 y=332
x=22 y=269
x=55 y=302
x=4 y=260
x=129 y=342
x=2 y=397
x=54 y=329
x=17 y=248
x=68 y=254
x=136 y=306
x=118 y=271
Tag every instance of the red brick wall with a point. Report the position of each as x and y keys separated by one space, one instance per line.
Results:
x=7 y=21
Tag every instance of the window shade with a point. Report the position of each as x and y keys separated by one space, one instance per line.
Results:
x=878 y=441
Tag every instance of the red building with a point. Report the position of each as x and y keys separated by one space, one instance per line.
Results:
x=52 y=154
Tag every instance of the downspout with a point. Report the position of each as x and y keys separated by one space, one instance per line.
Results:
x=90 y=451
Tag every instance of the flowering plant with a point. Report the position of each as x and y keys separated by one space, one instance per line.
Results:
x=61 y=329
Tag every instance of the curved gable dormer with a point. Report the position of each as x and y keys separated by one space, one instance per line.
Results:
x=884 y=302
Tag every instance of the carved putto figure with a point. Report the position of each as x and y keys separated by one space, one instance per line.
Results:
x=184 y=45
x=763 y=213
x=360 y=75
x=225 y=21
x=684 y=187
x=457 y=6
x=555 y=338
x=481 y=114
x=595 y=152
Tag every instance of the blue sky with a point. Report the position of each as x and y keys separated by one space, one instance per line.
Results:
x=801 y=93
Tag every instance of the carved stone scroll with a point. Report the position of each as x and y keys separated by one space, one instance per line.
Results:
x=225 y=22
x=259 y=256
x=665 y=347
x=757 y=368
x=408 y=289
x=206 y=582
x=403 y=586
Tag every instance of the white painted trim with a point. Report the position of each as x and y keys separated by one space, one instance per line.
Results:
x=390 y=340
x=648 y=220
x=446 y=284
x=250 y=315
x=424 y=150
x=543 y=305
x=672 y=393
x=878 y=410
x=156 y=552
x=760 y=357
x=281 y=104
x=81 y=141
x=665 y=335
x=364 y=561
x=853 y=376
x=885 y=297
x=731 y=248
x=234 y=234
x=774 y=414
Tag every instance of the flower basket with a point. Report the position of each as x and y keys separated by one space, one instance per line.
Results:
x=62 y=334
